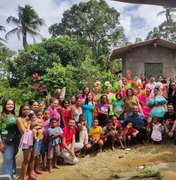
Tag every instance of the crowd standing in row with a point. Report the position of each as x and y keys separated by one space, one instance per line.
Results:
x=137 y=111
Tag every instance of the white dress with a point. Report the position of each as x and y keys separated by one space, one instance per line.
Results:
x=156 y=132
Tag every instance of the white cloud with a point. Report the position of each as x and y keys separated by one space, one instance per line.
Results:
x=52 y=12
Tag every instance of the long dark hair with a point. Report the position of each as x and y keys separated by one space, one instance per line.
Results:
x=86 y=101
x=84 y=90
x=4 y=110
x=21 y=108
x=130 y=89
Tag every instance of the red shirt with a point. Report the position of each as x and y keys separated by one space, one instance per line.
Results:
x=68 y=135
x=130 y=131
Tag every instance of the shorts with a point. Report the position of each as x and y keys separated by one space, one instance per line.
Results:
x=28 y=149
x=38 y=145
x=53 y=151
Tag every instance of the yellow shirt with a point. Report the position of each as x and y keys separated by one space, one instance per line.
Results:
x=95 y=133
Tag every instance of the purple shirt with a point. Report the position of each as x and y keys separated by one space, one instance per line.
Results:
x=54 y=114
x=103 y=107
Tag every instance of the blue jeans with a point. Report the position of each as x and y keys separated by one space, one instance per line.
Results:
x=170 y=128
x=9 y=159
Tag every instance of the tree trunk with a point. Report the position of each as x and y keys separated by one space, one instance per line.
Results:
x=24 y=38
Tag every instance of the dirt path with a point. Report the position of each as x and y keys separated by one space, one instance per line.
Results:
x=120 y=163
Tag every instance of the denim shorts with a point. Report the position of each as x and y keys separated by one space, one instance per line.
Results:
x=38 y=145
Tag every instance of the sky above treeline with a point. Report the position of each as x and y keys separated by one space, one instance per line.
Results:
x=137 y=20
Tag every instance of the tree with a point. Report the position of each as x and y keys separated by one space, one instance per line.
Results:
x=37 y=58
x=2 y=28
x=168 y=12
x=27 y=23
x=94 y=24
x=167 y=29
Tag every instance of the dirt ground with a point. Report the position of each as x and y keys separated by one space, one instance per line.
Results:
x=119 y=164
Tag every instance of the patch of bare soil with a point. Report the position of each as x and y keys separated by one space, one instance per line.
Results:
x=142 y=162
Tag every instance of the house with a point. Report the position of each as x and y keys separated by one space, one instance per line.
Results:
x=153 y=57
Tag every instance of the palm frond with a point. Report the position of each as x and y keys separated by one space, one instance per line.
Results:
x=160 y=13
x=32 y=36
x=3 y=40
x=11 y=32
x=2 y=28
x=13 y=20
x=34 y=33
x=19 y=32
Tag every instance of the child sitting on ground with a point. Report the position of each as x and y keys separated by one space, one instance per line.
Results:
x=156 y=135
x=129 y=133
x=109 y=134
x=95 y=134
x=55 y=136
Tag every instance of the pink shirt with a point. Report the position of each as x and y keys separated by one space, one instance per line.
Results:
x=68 y=135
x=54 y=114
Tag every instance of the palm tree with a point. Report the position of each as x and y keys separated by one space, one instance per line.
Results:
x=2 y=28
x=27 y=23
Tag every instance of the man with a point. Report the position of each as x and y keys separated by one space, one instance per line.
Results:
x=138 y=120
x=169 y=121
x=69 y=147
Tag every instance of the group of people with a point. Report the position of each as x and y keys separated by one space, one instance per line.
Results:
x=133 y=110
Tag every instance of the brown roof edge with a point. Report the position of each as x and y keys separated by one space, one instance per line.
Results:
x=119 y=52
x=170 y=3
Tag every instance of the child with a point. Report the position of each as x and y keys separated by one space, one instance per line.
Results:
x=46 y=119
x=156 y=135
x=118 y=106
x=116 y=123
x=129 y=133
x=55 y=135
x=120 y=137
x=37 y=129
x=95 y=134
x=82 y=126
x=109 y=134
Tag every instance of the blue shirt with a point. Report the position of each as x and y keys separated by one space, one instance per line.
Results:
x=56 y=141
x=137 y=121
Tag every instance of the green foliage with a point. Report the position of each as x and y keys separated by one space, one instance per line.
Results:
x=59 y=76
x=39 y=57
x=94 y=24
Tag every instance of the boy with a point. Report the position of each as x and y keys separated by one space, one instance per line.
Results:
x=95 y=134
x=55 y=136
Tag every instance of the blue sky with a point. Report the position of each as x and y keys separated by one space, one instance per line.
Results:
x=137 y=20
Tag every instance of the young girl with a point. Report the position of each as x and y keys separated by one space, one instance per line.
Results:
x=26 y=143
x=82 y=126
x=118 y=106
x=156 y=135
x=37 y=129
x=55 y=135
x=46 y=119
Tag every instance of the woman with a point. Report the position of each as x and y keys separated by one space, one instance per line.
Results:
x=77 y=110
x=157 y=104
x=103 y=110
x=54 y=111
x=172 y=95
x=84 y=94
x=88 y=108
x=28 y=150
x=144 y=99
x=9 y=137
x=130 y=102
x=143 y=81
x=34 y=105
x=65 y=112
x=161 y=86
x=73 y=101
